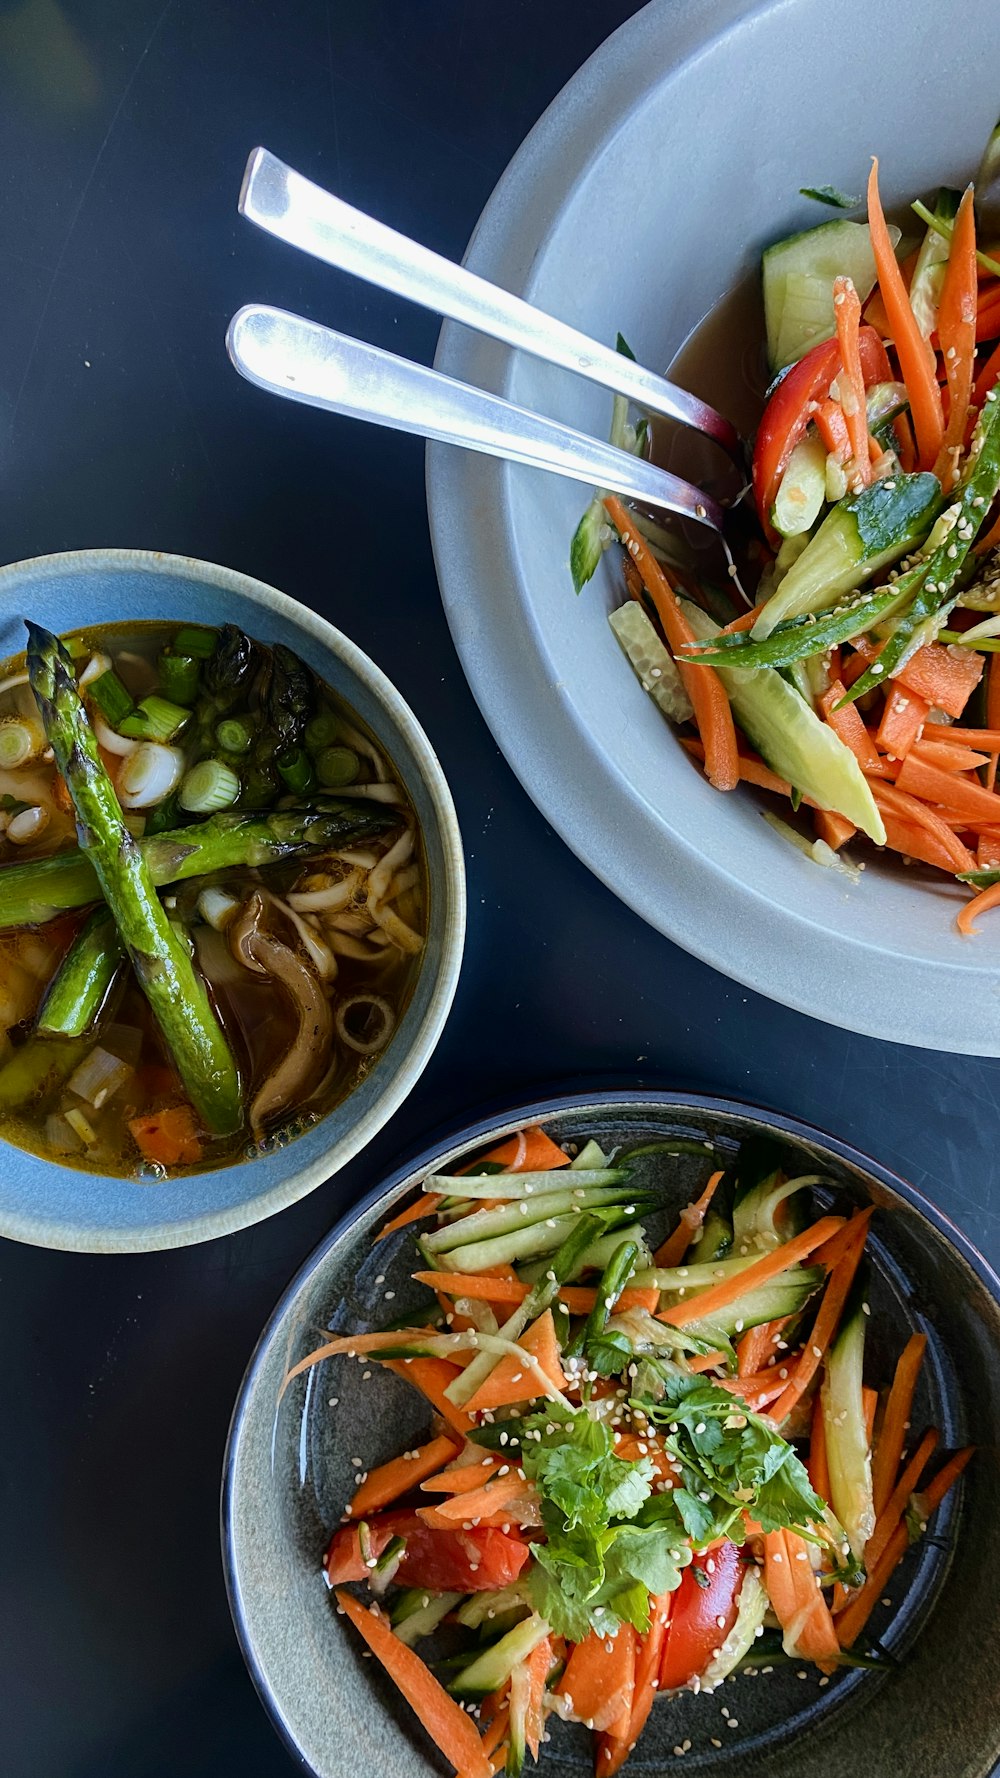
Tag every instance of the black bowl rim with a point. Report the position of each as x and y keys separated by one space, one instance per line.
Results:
x=468 y=1136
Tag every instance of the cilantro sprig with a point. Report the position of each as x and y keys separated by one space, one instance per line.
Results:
x=605 y=1553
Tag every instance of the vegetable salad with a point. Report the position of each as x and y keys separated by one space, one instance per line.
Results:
x=862 y=687
x=644 y=1468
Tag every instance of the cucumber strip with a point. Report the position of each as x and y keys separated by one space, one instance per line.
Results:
x=696 y=1277
x=578 y=1234
x=848 y=1451
x=481 y=1609
x=793 y=740
x=864 y=533
x=590 y=1158
x=490 y=1670
x=419 y=1613
x=784 y=1295
x=653 y=664
x=798 y=274
x=597 y=1254
x=932 y=262
x=521 y=1185
x=751 y=1610
x=485 y=1224
x=803 y=638
x=592 y=537
x=518 y=1698
x=755 y=1211
x=802 y=489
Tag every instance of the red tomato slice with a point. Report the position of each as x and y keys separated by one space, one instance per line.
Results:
x=479 y=1560
x=787 y=414
x=703 y=1614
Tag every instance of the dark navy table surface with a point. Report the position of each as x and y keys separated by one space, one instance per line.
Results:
x=124 y=128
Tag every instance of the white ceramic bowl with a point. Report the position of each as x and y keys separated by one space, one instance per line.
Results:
x=55 y=1206
x=643 y=195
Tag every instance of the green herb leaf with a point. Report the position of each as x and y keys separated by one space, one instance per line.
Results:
x=828 y=194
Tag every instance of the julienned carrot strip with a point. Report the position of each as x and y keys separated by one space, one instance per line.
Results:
x=432 y=1376
x=869 y=1398
x=966 y=919
x=423 y=1206
x=895 y=1506
x=948 y=756
x=891 y=799
x=463 y=1478
x=916 y=361
x=702 y=684
x=993 y=715
x=832 y=428
x=911 y=841
x=752 y=770
x=849 y=726
x=988 y=319
x=613 y=1750
x=488 y=1499
x=705 y=1302
x=758 y=1391
x=847 y=314
x=578 y=1298
x=960 y=795
x=834 y=1298
x=540 y=1663
x=813 y=1632
x=817 y=1463
x=530 y=1151
x=988 y=851
x=755 y=1348
x=386 y=1483
x=903 y=718
x=512 y=1381
x=989 y=539
x=448 y=1725
x=844 y=1240
x=957 y=336
x=745 y=621
x=986 y=740
x=885 y=1464
x=495 y=1734
x=676 y=1245
x=852 y=1620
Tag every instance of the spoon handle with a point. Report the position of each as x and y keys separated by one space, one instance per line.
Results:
x=305 y=362
x=301 y=213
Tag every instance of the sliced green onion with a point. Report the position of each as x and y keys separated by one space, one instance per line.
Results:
x=196 y=641
x=111 y=697
x=233 y=735
x=979 y=879
x=802 y=637
x=337 y=766
x=321 y=731
x=208 y=787
x=149 y=774
x=179 y=676
x=941 y=227
x=296 y=769
x=154 y=719
x=21 y=740
x=971 y=638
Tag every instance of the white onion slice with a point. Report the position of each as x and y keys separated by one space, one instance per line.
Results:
x=365 y=1046
x=149 y=774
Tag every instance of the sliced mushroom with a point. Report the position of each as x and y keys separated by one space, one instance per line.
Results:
x=303 y=1063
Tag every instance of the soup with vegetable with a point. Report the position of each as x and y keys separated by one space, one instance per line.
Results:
x=212 y=898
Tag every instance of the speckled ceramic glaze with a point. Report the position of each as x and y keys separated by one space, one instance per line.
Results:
x=54 y=1206
x=644 y=194
x=289 y=1472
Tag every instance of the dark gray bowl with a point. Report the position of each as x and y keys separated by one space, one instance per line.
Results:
x=288 y=1472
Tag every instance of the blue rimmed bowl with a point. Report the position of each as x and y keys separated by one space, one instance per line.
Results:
x=54 y=1206
x=930 y=1713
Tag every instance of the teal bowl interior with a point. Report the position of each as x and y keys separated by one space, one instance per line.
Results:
x=55 y=1206
x=289 y=1471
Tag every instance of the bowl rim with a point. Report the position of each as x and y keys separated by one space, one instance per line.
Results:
x=491 y=1126
x=900 y=997
x=210 y=1224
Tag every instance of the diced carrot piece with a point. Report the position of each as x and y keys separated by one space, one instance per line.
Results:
x=599 y=1680
x=448 y=1725
x=903 y=719
x=835 y=830
x=169 y=1137
x=946 y=677
x=484 y=1501
x=511 y=1382
x=386 y=1483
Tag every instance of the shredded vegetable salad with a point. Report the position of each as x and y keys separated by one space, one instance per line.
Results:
x=644 y=1469
x=863 y=686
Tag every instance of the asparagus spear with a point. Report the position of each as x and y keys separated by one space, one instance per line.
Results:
x=37 y=1069
x=162 y=966
x=81 y=985
x=33 y=892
